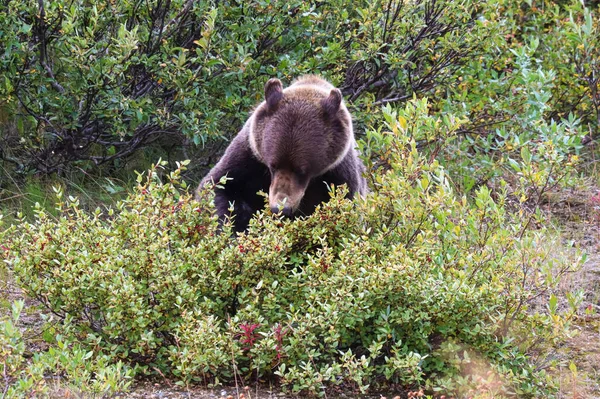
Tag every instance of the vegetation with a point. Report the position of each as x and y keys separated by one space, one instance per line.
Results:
x=85 y=372
x=468 y=114
x=88 y=84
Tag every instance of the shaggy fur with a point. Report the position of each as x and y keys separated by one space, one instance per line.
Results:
x=296 y=143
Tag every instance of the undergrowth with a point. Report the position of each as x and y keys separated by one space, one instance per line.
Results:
x=414 y=285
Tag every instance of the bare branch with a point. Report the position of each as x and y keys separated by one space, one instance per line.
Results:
x=43 y=50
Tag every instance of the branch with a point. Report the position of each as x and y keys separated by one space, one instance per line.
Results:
x=10 y=159
x=43 y=51
x=178 y=18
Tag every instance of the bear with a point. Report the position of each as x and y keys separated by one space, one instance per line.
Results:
x=295 y=144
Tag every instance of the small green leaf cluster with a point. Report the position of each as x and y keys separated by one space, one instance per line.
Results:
x=77 y=370
x=413 y=285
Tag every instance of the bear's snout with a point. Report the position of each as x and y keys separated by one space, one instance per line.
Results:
x=286 y=210
x=285 y=193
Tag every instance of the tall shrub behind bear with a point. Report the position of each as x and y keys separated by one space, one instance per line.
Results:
x=93 y=83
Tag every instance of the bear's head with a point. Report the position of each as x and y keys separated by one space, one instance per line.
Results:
x=299 y=133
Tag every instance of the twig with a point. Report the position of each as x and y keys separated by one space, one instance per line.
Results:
x=43 y=51
x=6 y=379
x=178 y=17
x=235 y=373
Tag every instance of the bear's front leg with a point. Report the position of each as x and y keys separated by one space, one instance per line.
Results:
x=242 y=210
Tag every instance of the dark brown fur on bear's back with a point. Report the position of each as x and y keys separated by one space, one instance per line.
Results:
x=295 y=144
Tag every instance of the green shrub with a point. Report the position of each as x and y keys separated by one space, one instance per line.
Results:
x=77 y=370
x=523 y=90
x=414 y=285
x=439 y=274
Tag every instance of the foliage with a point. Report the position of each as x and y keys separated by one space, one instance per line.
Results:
x=568 y=36
x=84 y=372
x=467 y=112
x=529 y=94
x=91 y=83
x=414 y=285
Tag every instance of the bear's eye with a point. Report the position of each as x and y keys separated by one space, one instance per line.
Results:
x=301 y=175
x=303 y=170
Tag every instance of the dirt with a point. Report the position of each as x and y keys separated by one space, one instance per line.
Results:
x=157 y=390
x=578 y=217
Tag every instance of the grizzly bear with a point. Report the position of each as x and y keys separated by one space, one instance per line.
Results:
x=294 y=145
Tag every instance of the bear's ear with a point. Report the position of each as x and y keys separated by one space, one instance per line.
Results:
x=273 y=92
x=331 y=104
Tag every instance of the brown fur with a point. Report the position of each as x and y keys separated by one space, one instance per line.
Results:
x=298 y=141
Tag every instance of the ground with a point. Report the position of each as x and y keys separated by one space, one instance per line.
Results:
x=578 y=220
